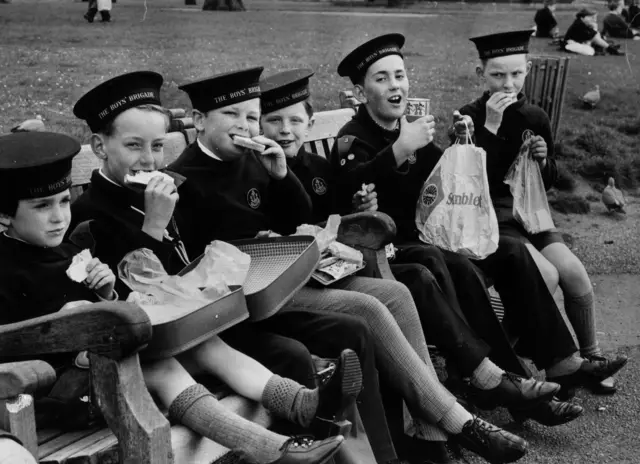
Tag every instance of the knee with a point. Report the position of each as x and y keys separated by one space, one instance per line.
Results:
x=550 y=274
x=14 y=453
x=355 y=334
x=571 y=271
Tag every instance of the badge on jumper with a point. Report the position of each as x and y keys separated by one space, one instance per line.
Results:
x=413 y=158
x=527 y=134
x=319 y=185
x=351 y=157
x=253 y=198
x=343 y=162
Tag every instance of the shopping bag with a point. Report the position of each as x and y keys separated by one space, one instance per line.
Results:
x=104 y=5
x=454 y=209
x=530 y=205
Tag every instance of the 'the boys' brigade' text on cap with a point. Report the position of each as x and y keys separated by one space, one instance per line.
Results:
x=103 y=103
x=284 y=89
x=36 y=164
x=224 y=89
x=502 y=44
x=355 y=64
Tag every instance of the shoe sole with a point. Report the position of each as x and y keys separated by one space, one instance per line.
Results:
x=351 y=384
x=568 y=390
x=330 y=454
x=518 y=417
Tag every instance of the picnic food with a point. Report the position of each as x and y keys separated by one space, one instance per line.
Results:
x=142 y=178
x=78 y=269
x=248 y=143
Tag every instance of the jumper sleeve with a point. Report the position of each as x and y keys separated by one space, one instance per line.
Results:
x=290 y=205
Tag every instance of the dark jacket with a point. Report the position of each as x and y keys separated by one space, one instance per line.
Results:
x=545 y=22
x=236 y=199
x=519 y=120
x=363 y=153
x=579 y=32
x=615 y=26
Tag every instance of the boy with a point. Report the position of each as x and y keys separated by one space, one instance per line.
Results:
x=35 y=169
x=502 y=123
x=546 y=23
x=255 y=192
x=583 y=37
x=615 y=25
x=379 y=146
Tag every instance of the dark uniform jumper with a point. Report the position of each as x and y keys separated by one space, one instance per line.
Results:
x=363 y=153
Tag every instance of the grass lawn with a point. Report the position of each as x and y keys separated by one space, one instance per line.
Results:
x=49 y=56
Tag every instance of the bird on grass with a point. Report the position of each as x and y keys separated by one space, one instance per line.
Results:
x=613 y=198
x=30 y=125
x=592 y=97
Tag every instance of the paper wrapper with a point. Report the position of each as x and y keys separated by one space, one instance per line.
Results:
x=166 y=297
x=324 y=237
x=78 y=269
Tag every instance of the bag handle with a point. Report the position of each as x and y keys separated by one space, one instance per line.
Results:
x=468 y=139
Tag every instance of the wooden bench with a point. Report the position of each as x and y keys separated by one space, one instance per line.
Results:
x=138 y=432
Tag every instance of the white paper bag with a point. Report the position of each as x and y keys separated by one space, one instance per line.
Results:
x=454 y=209
x=104 y=5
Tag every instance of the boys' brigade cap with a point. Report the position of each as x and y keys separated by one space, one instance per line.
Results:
x=284 y=89
x=502 y=44
x=224 y=89
x=103 y=103
x=36 y=164
x=356 y=63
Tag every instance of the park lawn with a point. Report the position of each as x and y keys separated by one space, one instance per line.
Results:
x=50 y=56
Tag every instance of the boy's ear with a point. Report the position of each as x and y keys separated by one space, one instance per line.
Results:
x=480 y=71
x=5 y=221
x=312 y=121
x=358 y=92
x=529 y=64
x=198 y=119
x=98 y=146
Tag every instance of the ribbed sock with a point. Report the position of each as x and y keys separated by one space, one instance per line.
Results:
x=581 y=312
x=289 y=400
x=565 y=366
x=453 y=421
x=487 y=375
x=199 y=410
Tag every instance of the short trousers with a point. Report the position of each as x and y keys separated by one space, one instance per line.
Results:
x=514 y=229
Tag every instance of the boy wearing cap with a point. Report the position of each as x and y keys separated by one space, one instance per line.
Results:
x=583 y=37
x=129 y=128
x=401 y=350
x=380 y=146
x=502 y=123
x=286 y=116
x=615 y=25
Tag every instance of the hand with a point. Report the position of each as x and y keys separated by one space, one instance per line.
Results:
x=497 y=103
x=362 y=201
x=461 y=125
x=538 y=150
x=160 y=199
x=101 y=279
x=413 y=136
x=273 y=158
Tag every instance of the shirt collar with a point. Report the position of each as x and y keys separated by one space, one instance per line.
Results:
x=206 y=151
x=107 y=179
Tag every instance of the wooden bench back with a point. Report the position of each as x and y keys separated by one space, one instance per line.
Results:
x=544 y=86
x=325 y=128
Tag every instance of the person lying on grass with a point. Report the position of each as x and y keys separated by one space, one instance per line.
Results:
x=36 y=175
x=583 y=37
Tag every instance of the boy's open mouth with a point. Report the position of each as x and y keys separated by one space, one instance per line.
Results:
x=395 y=100
x=285 y=143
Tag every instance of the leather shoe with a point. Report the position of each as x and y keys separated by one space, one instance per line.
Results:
x=342 y=389
x=551 y=413
x=306 y=450
x=593 y=370
x=490 y=442
x=514 y=391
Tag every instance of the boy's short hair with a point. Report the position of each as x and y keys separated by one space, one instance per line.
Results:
x=308 y=107
x=109 y=127
x=549 y=2
x=8 y=205
x=614 y=4
x=584 y=12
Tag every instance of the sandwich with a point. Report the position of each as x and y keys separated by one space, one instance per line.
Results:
x=248 y=143
x=142 y=178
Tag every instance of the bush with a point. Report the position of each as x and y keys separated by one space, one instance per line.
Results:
x=570 y=203
x=566 y=181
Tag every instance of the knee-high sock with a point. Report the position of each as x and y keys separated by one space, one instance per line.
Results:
x=487 y=375
x=289 y=400
x=199 y=410
x=581 y=312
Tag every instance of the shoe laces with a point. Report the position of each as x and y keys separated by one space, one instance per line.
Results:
x=513 y=377
x=480 y=429
x=298 y=441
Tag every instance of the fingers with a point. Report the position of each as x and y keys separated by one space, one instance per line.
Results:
x=99 y=274
x=159 y=186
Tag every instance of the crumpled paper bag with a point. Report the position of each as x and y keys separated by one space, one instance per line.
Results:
x=221 y=262
x=324 y=237
x=530 y=205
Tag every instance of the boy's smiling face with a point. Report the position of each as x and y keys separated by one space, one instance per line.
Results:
x=217 y=127
x=136 y=144
x=42 y=221
x=288 y=126
x=505 y=73
x=385 y=89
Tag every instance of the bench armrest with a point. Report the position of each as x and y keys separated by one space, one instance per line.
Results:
x=26 y=377
x=366 y=230
x=110 y=329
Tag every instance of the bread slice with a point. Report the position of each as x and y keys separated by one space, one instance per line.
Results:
x=142 y=178
x=248 y=143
